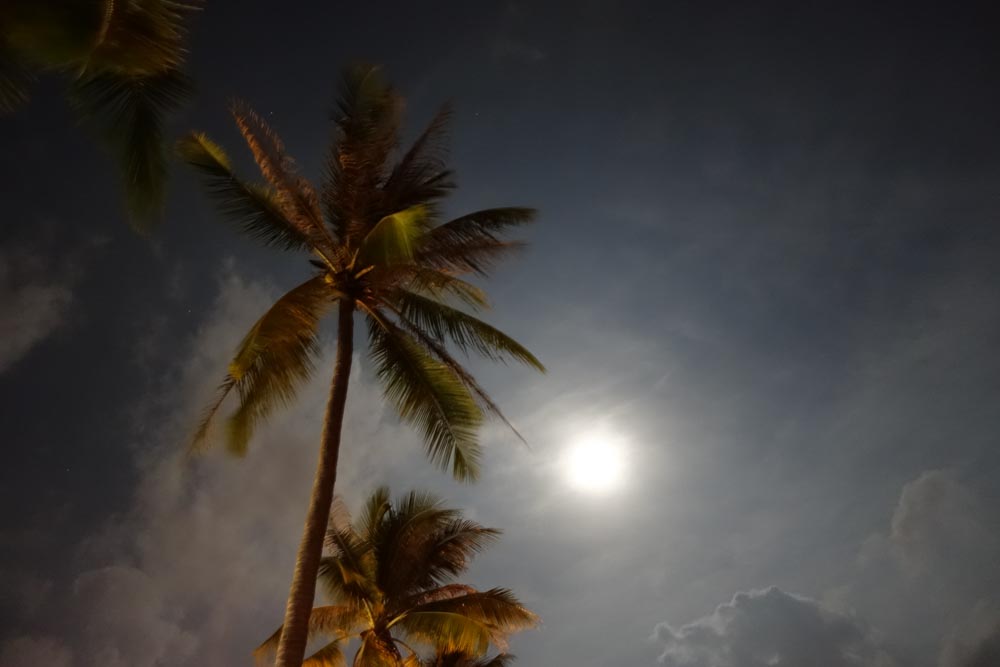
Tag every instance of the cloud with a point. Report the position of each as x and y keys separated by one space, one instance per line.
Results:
x=932 y=569
x=984 y=654
x=34 y=299
x=35 y=651
x=770 y=628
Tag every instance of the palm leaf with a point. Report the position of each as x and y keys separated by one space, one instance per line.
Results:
x=251 y=206
x=468 y=623
x=375 y=509
x=295 y=195
x=472 y=242
x=15 y=77
x=467 y=332
x=394 y=239
x=402 y=536
x=496 y=607
x=448 y=631
x=335 y=621
x=458 y=659
x=376 y=650
x=330 y=655
x=130 y=111
x=438 y=284
x=435 y=347
x=428 y=394
x=448 y=554
x=367 y=120
x=421 y=176
x=141 y=37
x=274 y=358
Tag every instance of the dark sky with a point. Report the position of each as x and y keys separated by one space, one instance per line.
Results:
x=765 y=269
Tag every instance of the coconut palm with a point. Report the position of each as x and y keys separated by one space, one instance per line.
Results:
x=378 y=249
x=124 y=61
x=391 y=577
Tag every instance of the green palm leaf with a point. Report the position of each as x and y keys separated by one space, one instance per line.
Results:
x=394 y=239
x=130 y=111
x=449 y=631
x=274 y=358
x=497 y=608
x=428 y=394
x=467 y=332
x=472 y=242
x=254 y=208
x=330 y=621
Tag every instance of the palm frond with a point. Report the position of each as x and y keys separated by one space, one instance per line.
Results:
x=421 y=176
x=465 y=331
x=403 y=537
x=428 y=394
x=377 y=650
x=458 y=659
x=472 y=242
x=448 y=554
x=130 y=112
x=448 y=631
x=367 y=117
x=141 y=37
x=330 y=655
x=329 y=621
x=468 y=623
x=375 y=509
x=394 y=239
x=274 y=358
x=348 y=573
x=15 y=77
x=295 y=194
x=497 y=608
x=254 y=208
x=439 y=284
x=437 y=348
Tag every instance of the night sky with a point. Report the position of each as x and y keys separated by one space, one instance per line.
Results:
x=766 y=266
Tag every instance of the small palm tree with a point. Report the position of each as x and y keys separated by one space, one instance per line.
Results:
x=124 y=60
x=377 y=249
x=390 y=575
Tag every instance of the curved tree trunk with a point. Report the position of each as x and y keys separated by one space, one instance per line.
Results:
x=292 y=646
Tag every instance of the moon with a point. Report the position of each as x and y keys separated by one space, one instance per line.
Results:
x=595 y=462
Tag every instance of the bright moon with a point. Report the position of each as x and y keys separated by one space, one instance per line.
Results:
x=595 y=463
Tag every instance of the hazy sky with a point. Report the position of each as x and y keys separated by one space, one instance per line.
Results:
x=766 y=263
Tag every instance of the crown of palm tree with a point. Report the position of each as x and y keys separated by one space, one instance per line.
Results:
x=125 y=59
x=377 y=244
x=391 y=576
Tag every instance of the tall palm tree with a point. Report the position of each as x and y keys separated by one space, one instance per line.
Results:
x=124 y=60
x=390 y=575
x=377 y=249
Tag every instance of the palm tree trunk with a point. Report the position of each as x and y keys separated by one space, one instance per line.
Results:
x=292 y=645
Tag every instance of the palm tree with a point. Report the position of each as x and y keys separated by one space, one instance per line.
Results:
x=377 y=249
x=390 y=576
x=124 y=60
